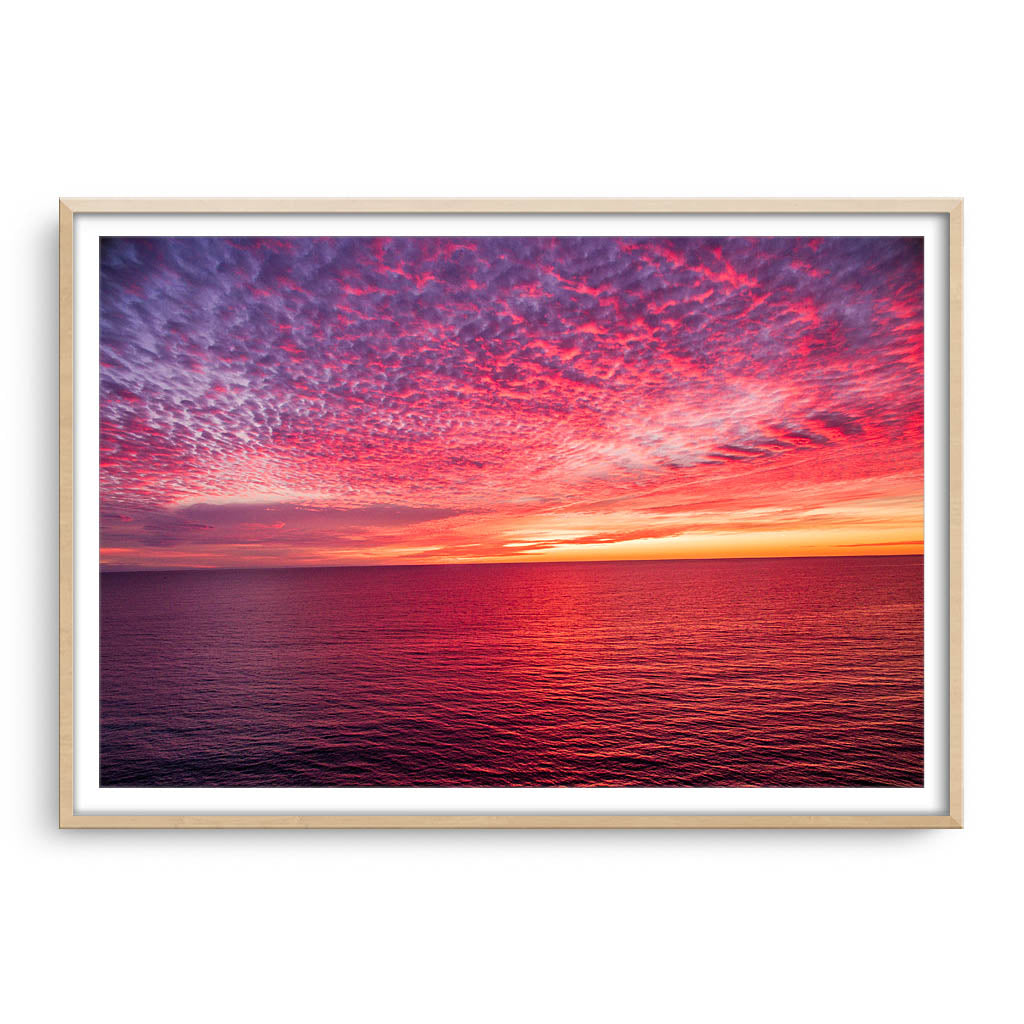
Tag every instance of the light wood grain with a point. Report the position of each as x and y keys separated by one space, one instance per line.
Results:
x=498 y=205
x=72 y=206
x=956 y=507
x=530 y=821
x=67 y=496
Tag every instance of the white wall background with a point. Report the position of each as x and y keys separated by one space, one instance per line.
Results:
x=511 y=99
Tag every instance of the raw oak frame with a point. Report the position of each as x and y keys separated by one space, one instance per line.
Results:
x=952 y=208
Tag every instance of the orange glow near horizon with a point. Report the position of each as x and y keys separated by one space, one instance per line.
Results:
x=570 y=541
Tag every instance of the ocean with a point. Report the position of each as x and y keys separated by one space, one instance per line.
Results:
x=739 y=672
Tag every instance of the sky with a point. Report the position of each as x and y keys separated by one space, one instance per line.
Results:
x=331 y=401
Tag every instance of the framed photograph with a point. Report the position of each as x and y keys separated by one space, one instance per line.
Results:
x=510 y=513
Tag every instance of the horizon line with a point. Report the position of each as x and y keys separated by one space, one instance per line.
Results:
x=537 y=561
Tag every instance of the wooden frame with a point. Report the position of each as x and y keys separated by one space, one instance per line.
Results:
x=951 y=208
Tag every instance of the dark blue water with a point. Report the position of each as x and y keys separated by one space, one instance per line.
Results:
x=749 y=672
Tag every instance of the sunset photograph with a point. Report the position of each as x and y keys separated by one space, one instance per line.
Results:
x=511 y=511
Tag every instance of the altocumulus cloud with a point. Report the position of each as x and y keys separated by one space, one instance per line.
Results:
x=279 y=400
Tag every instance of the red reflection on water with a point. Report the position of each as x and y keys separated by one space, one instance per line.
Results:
x=762 y=672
